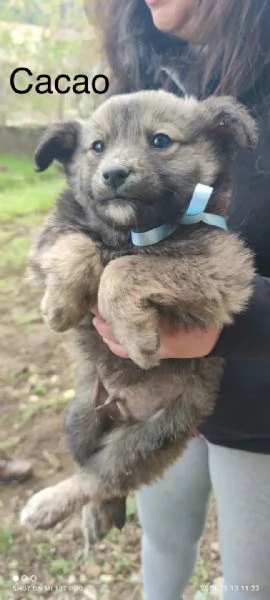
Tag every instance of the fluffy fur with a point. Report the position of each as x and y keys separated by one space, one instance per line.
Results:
x=132 y=417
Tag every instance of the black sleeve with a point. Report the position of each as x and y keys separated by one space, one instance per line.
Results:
x=249 y=336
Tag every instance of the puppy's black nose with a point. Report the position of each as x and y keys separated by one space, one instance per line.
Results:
x=115 y=176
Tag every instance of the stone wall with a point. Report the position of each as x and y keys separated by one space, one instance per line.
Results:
x=21 y=140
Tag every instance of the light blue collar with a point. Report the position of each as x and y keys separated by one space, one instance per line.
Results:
x=194 y=214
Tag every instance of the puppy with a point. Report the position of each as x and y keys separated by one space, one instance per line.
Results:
x=134 y=167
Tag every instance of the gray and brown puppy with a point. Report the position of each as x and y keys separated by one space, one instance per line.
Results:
x=136 y=163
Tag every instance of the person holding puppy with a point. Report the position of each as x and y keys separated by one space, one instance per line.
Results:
x=205 y=47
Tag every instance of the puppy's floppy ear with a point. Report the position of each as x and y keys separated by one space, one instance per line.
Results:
x=57 y=143
x=229 y=122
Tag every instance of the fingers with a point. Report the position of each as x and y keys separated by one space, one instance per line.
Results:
x=116 y=348
x=105 y=332
x=103 y=329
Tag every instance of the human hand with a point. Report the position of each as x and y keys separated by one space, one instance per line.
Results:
x=174 y=342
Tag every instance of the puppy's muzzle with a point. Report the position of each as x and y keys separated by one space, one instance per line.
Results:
x=115 y=176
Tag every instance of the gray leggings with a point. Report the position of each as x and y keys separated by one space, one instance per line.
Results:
x=173 y=512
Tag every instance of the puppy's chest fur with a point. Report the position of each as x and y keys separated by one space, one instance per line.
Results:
x=187 y=242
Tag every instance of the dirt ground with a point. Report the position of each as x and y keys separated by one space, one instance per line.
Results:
x=37 y=380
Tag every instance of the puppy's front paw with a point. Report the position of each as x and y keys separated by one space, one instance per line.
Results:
x=134 y=322
x=60 y=310
x=46 y=508
x=142 y=346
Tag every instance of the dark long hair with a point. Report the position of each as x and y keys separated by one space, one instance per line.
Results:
x=237 y=53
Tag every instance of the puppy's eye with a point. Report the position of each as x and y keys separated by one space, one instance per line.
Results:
x=98 y=146
x=160 y=141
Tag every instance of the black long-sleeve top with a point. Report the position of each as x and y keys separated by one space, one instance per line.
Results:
x=242 y=415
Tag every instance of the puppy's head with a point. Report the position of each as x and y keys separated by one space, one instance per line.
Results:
x=139 y=158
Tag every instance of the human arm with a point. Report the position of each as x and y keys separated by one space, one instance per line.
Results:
x=247 y=337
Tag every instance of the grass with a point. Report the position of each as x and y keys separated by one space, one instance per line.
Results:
x=24 y=194
x=25 y=198
x=60 y=567
x=18 y=170
x=6 y=540
x=200 y=580
x=15 y=253
x=131 y=508
x=28 y=319
x=9 y=283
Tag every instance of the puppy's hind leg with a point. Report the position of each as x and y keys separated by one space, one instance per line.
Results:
x=53 y=504
x=98 y=518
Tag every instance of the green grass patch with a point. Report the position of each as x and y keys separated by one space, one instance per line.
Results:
x=17 y=170
x=7 y=285
x=15 y=252
x=25 y=198
x=40 y=389
x=200 y=577
x=123 y=563
x=28 y=319
x=25 y=194
x=60 y=567
x=31 y=201
x=6 y=540
x=42 y=549
x=131 y=508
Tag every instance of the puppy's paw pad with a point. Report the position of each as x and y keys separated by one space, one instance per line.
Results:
x=41 y=512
